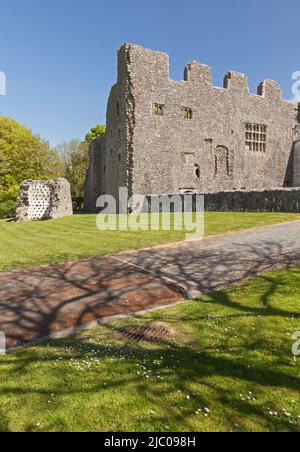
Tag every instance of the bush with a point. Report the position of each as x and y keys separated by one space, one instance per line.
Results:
x=7 y=209
x=78 y=204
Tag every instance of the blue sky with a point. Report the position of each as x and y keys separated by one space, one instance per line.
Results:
x=59 y=56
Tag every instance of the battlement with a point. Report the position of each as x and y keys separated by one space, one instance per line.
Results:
x=153 y=66
x=198 y=73
x=234 y=81
x=189 y=136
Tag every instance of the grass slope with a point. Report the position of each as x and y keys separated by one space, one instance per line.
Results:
x=227 y=366
x=71 y=238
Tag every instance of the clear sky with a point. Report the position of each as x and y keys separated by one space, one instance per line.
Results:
x=59 y=56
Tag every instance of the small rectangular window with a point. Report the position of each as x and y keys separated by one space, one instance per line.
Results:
x=256 y=137
x=158 y=109
x=187 y=113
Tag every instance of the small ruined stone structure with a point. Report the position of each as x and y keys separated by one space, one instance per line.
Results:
x=167 y=137
x=44 y=200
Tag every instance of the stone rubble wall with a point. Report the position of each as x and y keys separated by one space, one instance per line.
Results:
x=44 y=200
x=278 y=200
x=285 y=200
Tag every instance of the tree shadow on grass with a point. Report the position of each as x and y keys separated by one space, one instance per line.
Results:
x=38 y=302
x=266 y=309
x=84 y=290
x=182 y=368
x=193 y=369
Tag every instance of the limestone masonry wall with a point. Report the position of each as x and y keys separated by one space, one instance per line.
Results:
x=285 y=200
x=277 y=200
x=44 y=200
x=167 y=136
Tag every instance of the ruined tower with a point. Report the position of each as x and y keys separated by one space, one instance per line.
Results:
x=166 y=136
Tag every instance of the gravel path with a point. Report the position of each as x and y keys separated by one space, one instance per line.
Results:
x=53 y=300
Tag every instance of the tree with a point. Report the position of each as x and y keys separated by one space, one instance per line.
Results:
x=95 y=132
x=75 y=154
x=24 y=155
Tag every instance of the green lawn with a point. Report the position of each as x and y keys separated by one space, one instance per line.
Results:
x=71 y=238
x=227 y=366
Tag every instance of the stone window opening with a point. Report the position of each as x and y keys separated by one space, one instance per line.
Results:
x=118 y=109
x=256 y=137
x=187 y=113
x=223 y=162
x=158 y=109
x=197 y=171
x=209 y=144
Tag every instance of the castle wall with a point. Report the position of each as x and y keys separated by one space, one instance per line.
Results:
x=296 y=164
x=285 y=200
x=166 y=136
x=114 y=164
x=94 y=178
x=108 y=167
x=207 y=153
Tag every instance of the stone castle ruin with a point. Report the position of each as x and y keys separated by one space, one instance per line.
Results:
x=44 y=200
x=168 y=137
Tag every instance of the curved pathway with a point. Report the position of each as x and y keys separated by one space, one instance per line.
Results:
x=50 y=301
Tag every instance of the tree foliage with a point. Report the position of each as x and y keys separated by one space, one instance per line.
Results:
x=24 y=155
x=75 y=154
x=95 y=132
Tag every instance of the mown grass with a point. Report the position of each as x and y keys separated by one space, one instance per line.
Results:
x=71 y=238
x=226 y=366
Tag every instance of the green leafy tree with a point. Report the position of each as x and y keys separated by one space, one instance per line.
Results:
x=24 y=155
x=95 y=132
x=75 y=154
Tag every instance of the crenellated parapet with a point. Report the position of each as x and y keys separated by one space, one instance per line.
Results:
x=237 y=82
x=153 y=66
x=269 y=89
x=198 y=73
x=147 y=64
